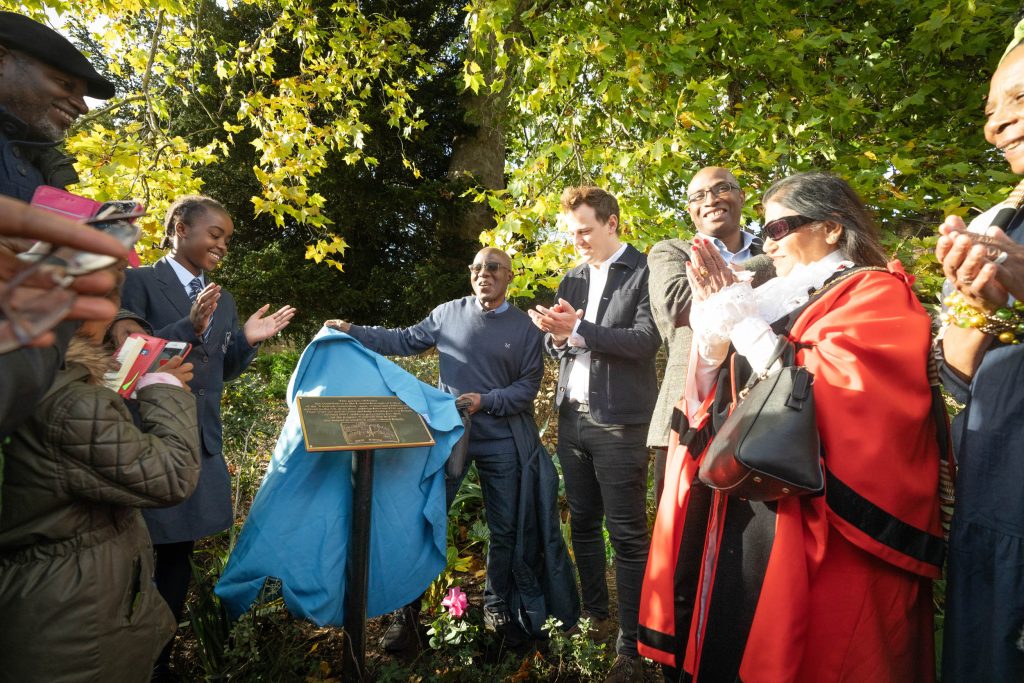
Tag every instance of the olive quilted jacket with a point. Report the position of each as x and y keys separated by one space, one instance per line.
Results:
x=77 y=598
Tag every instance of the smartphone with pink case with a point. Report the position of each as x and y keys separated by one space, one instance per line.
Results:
x=64 y=203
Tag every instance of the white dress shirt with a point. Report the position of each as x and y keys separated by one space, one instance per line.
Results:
x=578 y=384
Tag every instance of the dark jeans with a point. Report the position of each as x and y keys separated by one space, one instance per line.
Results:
x=605 y=470
x=499 y=483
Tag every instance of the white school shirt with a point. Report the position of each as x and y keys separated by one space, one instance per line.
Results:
x=184 y=276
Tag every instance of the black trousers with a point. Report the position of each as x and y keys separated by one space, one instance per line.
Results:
x=660 y=458
x=172 y=573
x=605 y=470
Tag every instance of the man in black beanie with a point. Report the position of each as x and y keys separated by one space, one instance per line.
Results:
x=43 y=83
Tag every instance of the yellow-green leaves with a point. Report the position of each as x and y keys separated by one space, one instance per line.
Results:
x=296 y=90
x=637 y=96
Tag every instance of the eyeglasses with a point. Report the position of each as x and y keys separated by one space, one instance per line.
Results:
x=780 y=227
x=492 y=267
x=716 y=190
x=29 y=311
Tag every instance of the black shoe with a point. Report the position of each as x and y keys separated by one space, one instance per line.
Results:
x=626 y=669
x=403 y=635
x=505 y=626
x=602 y=629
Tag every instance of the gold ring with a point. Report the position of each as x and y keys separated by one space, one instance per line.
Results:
x=704 y=272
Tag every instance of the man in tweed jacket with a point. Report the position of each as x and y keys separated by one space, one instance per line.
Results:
x=715 y=205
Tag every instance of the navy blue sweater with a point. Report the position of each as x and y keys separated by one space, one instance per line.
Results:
x=497 y=355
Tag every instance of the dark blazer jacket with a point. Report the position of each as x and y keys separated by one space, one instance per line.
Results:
x=155 y=293
x=623 y=342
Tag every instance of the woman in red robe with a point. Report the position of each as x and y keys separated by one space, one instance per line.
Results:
x=834 y=587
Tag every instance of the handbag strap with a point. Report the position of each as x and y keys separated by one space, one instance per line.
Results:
x=737 y=386
x=938 y=409
x=785 y=350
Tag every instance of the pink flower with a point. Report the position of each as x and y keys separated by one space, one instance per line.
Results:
x=456 y=602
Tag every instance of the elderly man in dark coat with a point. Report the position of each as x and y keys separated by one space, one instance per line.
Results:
x=43 y=83
x=44 y=80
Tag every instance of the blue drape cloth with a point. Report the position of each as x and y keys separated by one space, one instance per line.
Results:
x=299 y=524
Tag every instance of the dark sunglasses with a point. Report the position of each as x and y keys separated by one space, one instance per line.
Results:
x=780 y=227
x=492 y=267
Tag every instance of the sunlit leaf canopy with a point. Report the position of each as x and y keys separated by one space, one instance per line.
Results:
x=160 y=52
x=636 y=96
x=633 y=95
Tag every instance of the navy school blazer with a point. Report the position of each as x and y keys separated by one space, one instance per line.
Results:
x=155 y=293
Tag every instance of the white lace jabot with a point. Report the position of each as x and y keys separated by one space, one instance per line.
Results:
x=780 y=295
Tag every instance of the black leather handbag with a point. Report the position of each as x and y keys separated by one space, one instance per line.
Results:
x=768 y=447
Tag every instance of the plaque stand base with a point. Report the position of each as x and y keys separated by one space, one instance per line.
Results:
x=358 y=570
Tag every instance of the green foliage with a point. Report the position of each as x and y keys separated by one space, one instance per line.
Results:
x=574 y=656
x=208 y=621
x=296 y=88
x=455 y=637
x=405 y=256
x=275 y=370
x=264 y=644
x=636 y=96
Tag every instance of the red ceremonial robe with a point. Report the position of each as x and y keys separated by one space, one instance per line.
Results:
x=823 y=588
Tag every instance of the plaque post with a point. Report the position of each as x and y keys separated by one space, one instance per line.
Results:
x=358 y=569
x=363 y=425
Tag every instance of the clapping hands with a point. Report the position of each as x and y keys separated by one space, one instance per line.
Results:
x=558 y=320
x=985 y=268
x=706 y=270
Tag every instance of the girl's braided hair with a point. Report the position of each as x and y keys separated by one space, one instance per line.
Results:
x=186 y=209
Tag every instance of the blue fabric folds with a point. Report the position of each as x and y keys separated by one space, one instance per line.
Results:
x=299 y=525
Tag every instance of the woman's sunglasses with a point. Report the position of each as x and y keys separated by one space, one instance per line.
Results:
x=780 y=227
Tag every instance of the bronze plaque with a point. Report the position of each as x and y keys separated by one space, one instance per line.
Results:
x=360 y=423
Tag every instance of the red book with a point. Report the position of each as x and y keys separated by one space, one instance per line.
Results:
x=139 y=355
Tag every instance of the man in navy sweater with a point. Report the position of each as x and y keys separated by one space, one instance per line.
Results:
x=490 y=356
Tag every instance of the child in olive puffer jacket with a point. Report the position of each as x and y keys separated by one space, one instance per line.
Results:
x=76 y=564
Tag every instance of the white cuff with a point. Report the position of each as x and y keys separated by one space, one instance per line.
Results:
x=712 y=320
x=712 y=351
x=754 y=339
x=575 y=339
